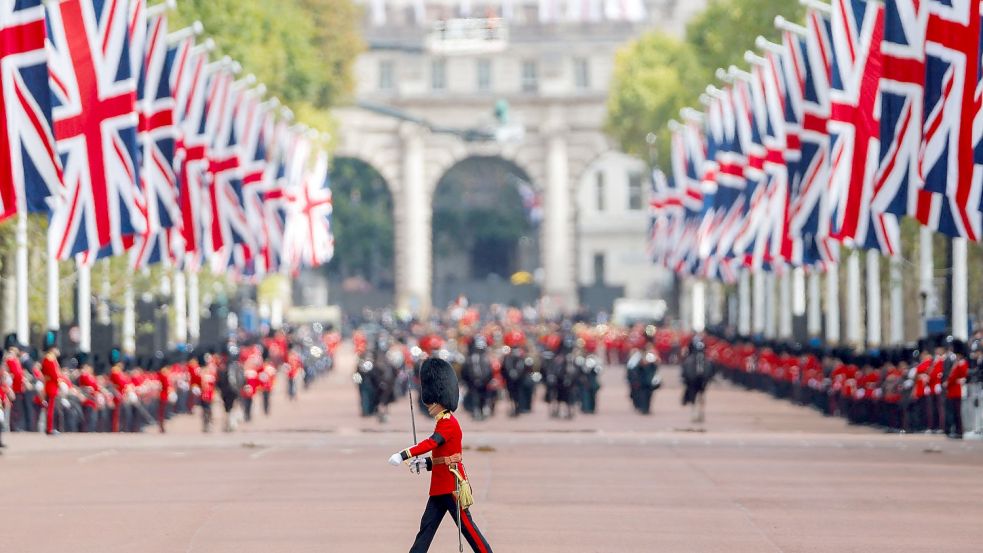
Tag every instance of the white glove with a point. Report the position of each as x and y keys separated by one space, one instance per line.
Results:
x=418 y=464
x=396 y=459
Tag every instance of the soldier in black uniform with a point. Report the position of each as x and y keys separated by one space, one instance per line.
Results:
x=477 y=375
x=590 y=369
x=643 y=379
x=696 y=375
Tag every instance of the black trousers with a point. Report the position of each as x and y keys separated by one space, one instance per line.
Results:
x=954 y=417
x=437 y=507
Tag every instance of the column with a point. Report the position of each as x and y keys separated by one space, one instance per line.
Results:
x=897 y=301
x=833 y=304
x=744 y=303
x=558 y=233
x=873 y=299
x=21 y=318
x=960 y=290
x=414 y=284
x=814 y=316
x=129 y=342
x=854 y=334
x=715 y=311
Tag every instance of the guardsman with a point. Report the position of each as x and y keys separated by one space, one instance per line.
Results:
x=440 y=392
x=696 y=376
x=22 y=412
x=953 y=383
x=164 y=394
x=207 y=378
x=51 y=371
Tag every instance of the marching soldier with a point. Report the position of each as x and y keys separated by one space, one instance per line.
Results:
x=51 y=370
x=449 y=485
x=696 y=376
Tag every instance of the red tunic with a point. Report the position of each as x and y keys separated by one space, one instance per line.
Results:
x=52 y=375
x=954 y=384
x=444 y=442
x=16 y=371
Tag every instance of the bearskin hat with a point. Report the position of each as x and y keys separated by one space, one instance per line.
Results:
x=50 y=340
x=11 y=342
x=438 y=383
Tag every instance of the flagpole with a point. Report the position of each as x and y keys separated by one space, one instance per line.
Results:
x=84 y=305
x=771 y=322
x=21 y=310
x=129 y=341
x=814 y=320
x=854 y=335
x=52 y=315
x=180 y=298
x=873 y=299
x=194 y=309
x=784 y=306
x=758 y=315
x=960 y=292
x=926 y=271
x=833 y=304
x=744 y=303
x=897 y=301
x=699 y=306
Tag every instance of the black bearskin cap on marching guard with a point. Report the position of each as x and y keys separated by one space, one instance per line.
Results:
x=50 y=340
x=438 y=383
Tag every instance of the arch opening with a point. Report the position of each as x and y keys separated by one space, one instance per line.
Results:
x=363 y=268
x=485 y=233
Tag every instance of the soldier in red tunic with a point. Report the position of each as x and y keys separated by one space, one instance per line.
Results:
x=440 y=394
x=52 y=378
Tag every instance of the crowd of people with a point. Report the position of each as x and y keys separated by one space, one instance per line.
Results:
x=909 y=389
x=52 y=393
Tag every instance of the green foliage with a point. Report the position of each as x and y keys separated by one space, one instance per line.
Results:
x=363 y=222
x=654 y=77
x=302 y=50
x=657 y=74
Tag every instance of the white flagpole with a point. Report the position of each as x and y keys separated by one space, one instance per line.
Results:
x=833 y=304
x=194 y=309
x=873 y=299
x=84 y=305
x=814 y=320
x=897 y=301
x=785 y=304
x=21 y=310
x=926 y=271
x=744 y=303
x=758 y=315
x=180 y=298
x=771 y=321
x=854 y=334
x=699 y=306
x=960 y=291
x=129 y=319
x=52 y=315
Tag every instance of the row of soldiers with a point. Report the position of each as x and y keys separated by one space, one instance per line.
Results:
x=909 y=389
x=507 y=358
x=116 y=393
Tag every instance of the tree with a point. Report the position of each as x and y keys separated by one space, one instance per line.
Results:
x=654 y=77
x=362 y=222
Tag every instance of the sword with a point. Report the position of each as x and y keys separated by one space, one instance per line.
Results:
x=412 y=414
x=457 y=501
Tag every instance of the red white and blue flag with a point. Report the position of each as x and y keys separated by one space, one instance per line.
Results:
x=95 y=128
x=308 y=239
x=29 y=170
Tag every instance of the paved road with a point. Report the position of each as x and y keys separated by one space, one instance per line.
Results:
x=759 y=476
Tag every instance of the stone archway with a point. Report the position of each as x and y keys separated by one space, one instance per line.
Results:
x=485 y=231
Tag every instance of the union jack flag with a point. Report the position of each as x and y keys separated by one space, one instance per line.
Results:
x=255 y=127
x=308 y=239
x=952 y=75
x=157 y=134
x=29 y=171
x=95 y=125
x=189 y=79
x=857 y=30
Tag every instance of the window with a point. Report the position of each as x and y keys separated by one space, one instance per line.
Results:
x=598 y=269
x=484 y=75
x=438 y=75
x=581 y=73
x=386 y=75
x=634 y=191
x=600 y=191
x=530 y=76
